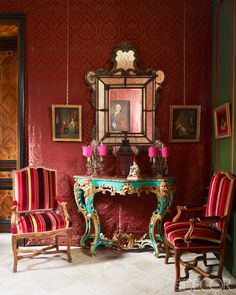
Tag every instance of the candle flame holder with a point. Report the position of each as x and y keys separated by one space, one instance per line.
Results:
x=95 y=158
x=158 y=155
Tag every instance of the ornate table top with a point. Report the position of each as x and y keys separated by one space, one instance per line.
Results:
x=121 y=179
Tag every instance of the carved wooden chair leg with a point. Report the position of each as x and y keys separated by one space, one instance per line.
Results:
x=57 y=243
x=177 y=269
x=186 y=270
x=167 y=254
x=221 y=265
x=14 y=249
x=69 y=239
x=205 y=259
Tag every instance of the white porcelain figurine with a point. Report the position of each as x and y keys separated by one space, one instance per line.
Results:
x=134 y=172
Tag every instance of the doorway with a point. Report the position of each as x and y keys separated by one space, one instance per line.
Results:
x=12 y=138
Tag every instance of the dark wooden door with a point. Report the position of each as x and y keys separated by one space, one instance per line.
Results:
x=11 y=110
x=8 y=130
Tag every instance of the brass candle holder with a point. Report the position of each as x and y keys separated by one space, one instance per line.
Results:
x=158 y=155
x=95 y=158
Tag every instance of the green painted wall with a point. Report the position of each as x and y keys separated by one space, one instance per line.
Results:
x=222 y=149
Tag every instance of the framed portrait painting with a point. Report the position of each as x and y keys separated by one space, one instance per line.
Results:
x=222 y=121
x=66 y=123
x=184 y=123
x=119 y=116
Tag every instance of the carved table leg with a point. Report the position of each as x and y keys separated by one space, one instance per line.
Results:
x=152 y=225
x=86 y=236
x=79 y=198
x=164 y=200
x=84 y=197
x=96 y=241
x=99 y=238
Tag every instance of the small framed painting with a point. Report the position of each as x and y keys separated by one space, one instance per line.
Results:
x=222 y=121
x=184 y=123
x=66 y=123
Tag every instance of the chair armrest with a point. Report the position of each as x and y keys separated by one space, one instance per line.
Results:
x=63 y=205
x=190 y=211
x=14 y=205
x=60 y=200
x=206 y=220
x=14 y=217
x=188 y=235
x=211 y=219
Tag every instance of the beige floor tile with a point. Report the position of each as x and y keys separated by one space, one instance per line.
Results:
x=110 y=272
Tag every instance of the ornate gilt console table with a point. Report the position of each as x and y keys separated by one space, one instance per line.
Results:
x=85 y=189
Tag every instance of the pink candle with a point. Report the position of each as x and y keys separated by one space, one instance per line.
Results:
x=152 y=151
x=87 y=151
x=165 y=152
x=102 y=150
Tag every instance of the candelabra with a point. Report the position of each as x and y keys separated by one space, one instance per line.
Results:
x=95 y=154
x=158 y=155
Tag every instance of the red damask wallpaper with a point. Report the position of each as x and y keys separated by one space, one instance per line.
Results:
x=156 y=28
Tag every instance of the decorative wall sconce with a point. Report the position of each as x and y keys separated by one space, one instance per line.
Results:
x=158 y=158
x=94 y=155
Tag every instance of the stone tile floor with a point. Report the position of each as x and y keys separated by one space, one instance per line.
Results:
x=111 y=272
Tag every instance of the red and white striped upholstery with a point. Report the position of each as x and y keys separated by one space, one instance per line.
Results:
x=40 y=222
x=35 y=188
x=203 y=234
x=218 y=197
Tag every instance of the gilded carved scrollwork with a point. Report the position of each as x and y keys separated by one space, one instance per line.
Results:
x=78 y=193
x=87 y=187
x=146 y=189
x=105 y=188
x=87 y=190
x=127 y=188
x=128 y=241
x=163 y=189
x=123 y=240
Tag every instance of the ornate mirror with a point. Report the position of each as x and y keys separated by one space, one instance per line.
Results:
x=125 y=99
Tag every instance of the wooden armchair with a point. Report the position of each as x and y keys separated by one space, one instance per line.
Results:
x=203 y=234
x=34 y=212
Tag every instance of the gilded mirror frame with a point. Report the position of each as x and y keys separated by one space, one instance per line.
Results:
x=125 y=99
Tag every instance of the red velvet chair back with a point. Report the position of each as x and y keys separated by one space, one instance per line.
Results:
x=219 y=198
x=34 y=188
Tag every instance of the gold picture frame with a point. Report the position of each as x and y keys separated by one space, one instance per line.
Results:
x=66 y=122
x=222 y=121
x=184 y=123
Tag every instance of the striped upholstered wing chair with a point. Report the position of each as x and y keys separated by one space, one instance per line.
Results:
x=34 y=213
x=203 y=234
